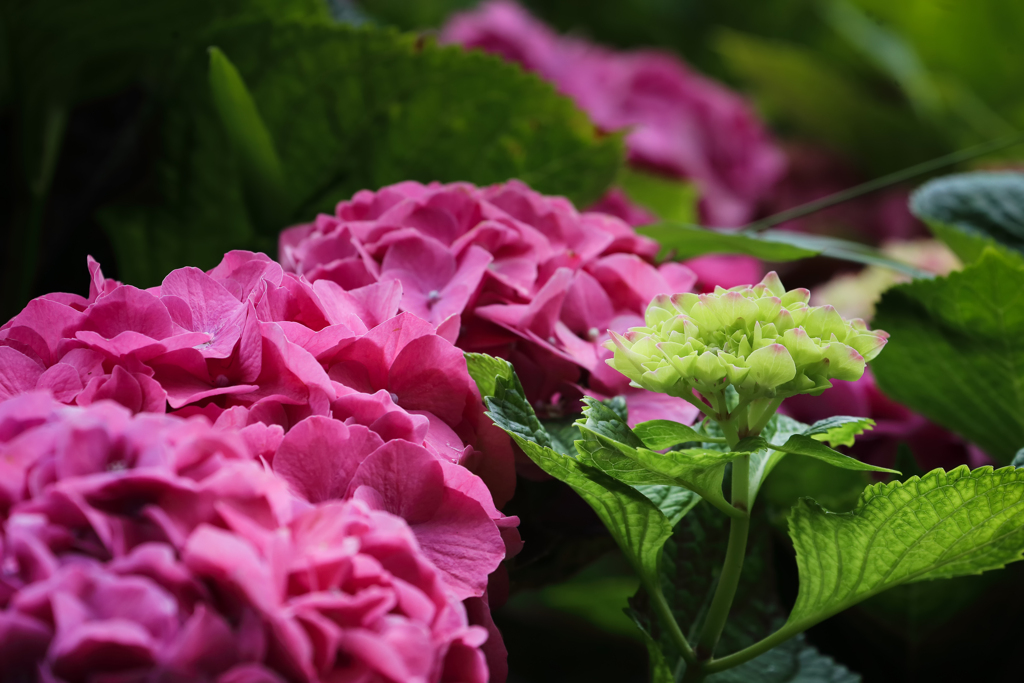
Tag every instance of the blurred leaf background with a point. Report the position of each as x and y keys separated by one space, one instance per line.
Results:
x=111 y=145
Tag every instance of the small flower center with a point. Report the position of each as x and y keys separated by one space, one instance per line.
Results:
x=433 y=296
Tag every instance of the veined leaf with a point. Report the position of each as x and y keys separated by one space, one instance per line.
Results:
x=839 y=430
x=673 y=501
x=941 y=525
x=658 y=435
x=956 y=354
x=348 y=109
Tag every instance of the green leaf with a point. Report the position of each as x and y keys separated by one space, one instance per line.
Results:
x=609 y=444
x=670 y=199
x=348 y=109
x=763 y=461
x=970 y=211
x=485 y=371
x=801 y=444
x=637 y=525
x=687 y=241
x=839 y=430
x=260 y=169
x=956 y=353
x=658 y=435
x=673 y=501
x=941 y=525
x=844 y=250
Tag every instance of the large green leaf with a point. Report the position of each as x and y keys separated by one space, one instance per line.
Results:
x=969 y=211
x=349 y=109
x=669 y=199
x=941 y=525
x=956 y=353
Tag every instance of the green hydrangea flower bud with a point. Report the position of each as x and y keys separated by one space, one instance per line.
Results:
x=764 y=341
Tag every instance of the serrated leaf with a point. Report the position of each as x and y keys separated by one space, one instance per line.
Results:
x=956 y=354
x=839 y=430
x=658 y=435
x=634 y=521
x=971 y=210
x=349 y=109
x=941 y=525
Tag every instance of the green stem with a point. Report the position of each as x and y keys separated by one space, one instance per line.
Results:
x=884 y=182
x=739 y=528
x=700 y=405
x=755 y=650
x=769 y=410
x=668 y=619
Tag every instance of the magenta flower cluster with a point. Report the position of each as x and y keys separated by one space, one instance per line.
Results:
x=506 y=271
x=300 y=396
x=679 y=122
x=152 y=547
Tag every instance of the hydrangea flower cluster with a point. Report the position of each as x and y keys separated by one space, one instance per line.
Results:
x=501 y=270
x=680 y=123
x=152 y=547
x=763 y=341
x=337 y=393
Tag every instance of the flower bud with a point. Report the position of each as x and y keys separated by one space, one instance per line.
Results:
x=762 y=340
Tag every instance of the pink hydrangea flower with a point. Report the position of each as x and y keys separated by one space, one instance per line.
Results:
x=502 y=270
x=150 y=547
x=292 y=369
x=679 y=122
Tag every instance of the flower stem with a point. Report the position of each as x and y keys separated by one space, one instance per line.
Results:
x=739 y=528
x=661 y=606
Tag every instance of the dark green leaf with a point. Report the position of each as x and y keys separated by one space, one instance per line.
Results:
x=259 y=167
x=956 y=353
x=843 y=250
x=686 y=241
x=350 y=109
x=972 y=210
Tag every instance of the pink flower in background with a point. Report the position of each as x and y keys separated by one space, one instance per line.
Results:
x=680 y=123
x=501 y=270
x=150 y=547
